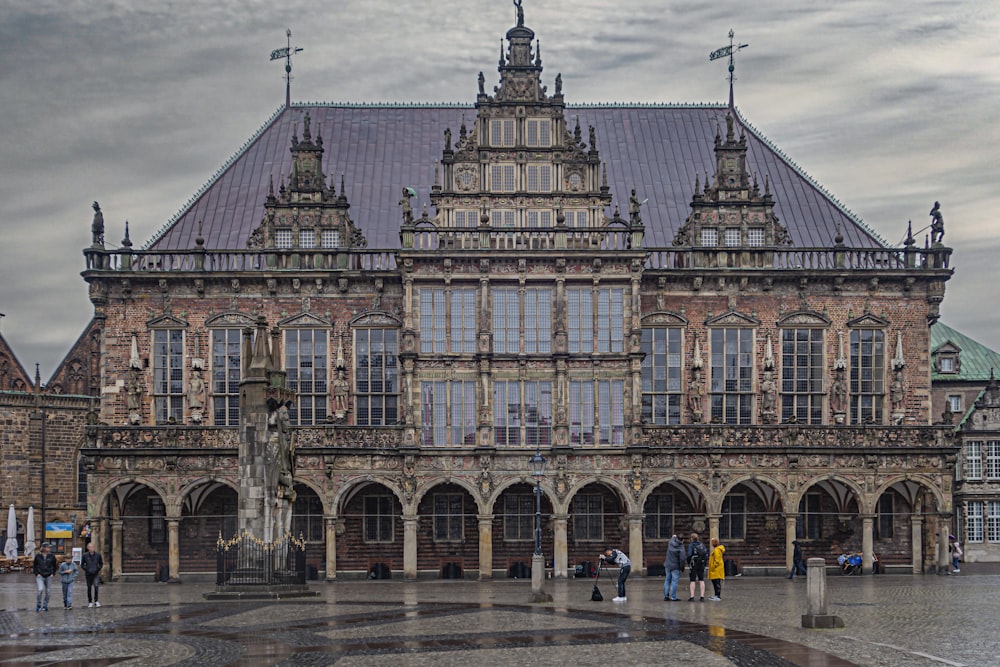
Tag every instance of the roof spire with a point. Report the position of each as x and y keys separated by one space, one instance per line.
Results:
x=729 y=51
x=286 y=53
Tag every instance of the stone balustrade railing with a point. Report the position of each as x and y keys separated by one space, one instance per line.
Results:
x=525 y=239
x=681 y=438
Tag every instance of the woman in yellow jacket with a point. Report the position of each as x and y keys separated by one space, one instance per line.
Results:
x=716 y=569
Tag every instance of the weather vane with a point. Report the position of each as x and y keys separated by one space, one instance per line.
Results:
x=287 y=53
x=728 y=51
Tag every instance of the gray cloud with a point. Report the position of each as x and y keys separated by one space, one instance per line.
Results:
x=136 y=104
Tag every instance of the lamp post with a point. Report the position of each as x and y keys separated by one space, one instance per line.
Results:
x=537 y=465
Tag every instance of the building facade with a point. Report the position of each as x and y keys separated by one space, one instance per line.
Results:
x=967 y=395
x=726 y=351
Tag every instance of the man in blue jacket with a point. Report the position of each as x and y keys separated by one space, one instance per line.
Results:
x=673 y=565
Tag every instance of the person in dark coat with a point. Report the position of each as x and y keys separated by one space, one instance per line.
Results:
x=44 y=566
x=798 y=561
x=673 y=565
x=92 y=564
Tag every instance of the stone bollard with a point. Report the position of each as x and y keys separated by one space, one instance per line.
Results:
x=818 y=616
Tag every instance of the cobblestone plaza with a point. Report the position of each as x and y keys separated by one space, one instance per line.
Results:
x=892 y=620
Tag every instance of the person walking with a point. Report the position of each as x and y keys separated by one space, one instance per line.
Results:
x=956 y=554
x=67 y=572
x=798 y=561
x=92 y=564
x=620 y=559
x=673 y=565
x=44 y=567
x=697 y=560
x=717 y=569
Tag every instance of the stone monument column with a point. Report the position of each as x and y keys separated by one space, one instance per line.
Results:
x=867 y=542
x=173 y=550
x=713 y=527
x=916 y=542
x=410 y=546
x=330 y=522
x=791 y=521
x=943 y=560
x=560 y=555
x=635 y=543
x=116 y=549
x=485 y=547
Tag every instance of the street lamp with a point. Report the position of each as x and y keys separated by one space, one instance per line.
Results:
x=537 y=466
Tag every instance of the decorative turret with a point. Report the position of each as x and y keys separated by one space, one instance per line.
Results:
x=518 y=150
x=308 y=213
x=731 y=211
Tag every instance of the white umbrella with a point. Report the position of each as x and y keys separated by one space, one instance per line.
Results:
x=10 y=548
x=29 y=533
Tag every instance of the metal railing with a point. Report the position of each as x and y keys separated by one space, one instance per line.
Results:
x=246 y=560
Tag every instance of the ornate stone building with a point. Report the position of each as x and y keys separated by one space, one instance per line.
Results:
x=967 y=395
x=453 y=288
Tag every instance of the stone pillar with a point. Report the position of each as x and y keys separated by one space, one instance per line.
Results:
x=100 y=540
x=560 y=546
x=713 y=528
x=635 y=543
x=485 y=547
x=410 y=547
x=116 y=550
x=943 y=559
x=867 y=541
x=916 y=542
x=817 y=614
x=330 y=522
x=173 y=550
x=790 y=523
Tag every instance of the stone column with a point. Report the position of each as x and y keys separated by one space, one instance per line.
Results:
x=100 y=540
x=817 y=614
x=560 y=547
x=790 y=523
x=635 y=543
x=916 y=542
x=485 y=547
x=867 y=541
x=173 y=550
x=330 y=523
x=713 y=528
x=116 y=550
x=943 y=560
x=410 y=547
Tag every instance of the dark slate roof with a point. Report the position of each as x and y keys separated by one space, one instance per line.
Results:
x=382 y=148
x=976 y=361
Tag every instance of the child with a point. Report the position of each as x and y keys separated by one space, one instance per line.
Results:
x=67 y=572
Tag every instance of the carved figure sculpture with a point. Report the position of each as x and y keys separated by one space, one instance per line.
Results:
x=937 y=224
x=406 y=206
x=286 y=452
x=896 y=392
x=695 y=389
x=196 y=391
x=559 y=84
x=520 y=12
x=768 y=390
x=97 y=226
x=341 y=388
x=482 y=84
x=838 y=393
x=633 y=207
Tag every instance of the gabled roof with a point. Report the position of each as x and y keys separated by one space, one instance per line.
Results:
x=379 y=149
x=13 y=377
x=976 y=361
x=77 y=373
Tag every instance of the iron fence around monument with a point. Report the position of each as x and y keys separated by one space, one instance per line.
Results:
x=247 y=561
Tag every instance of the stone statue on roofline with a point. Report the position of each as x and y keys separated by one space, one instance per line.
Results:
x=407 y=207
x=937 y=224
x=97 y=226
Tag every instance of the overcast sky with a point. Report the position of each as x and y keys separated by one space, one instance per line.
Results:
x=889 y=104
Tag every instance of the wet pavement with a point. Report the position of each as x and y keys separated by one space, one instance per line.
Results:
x=892 y=620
